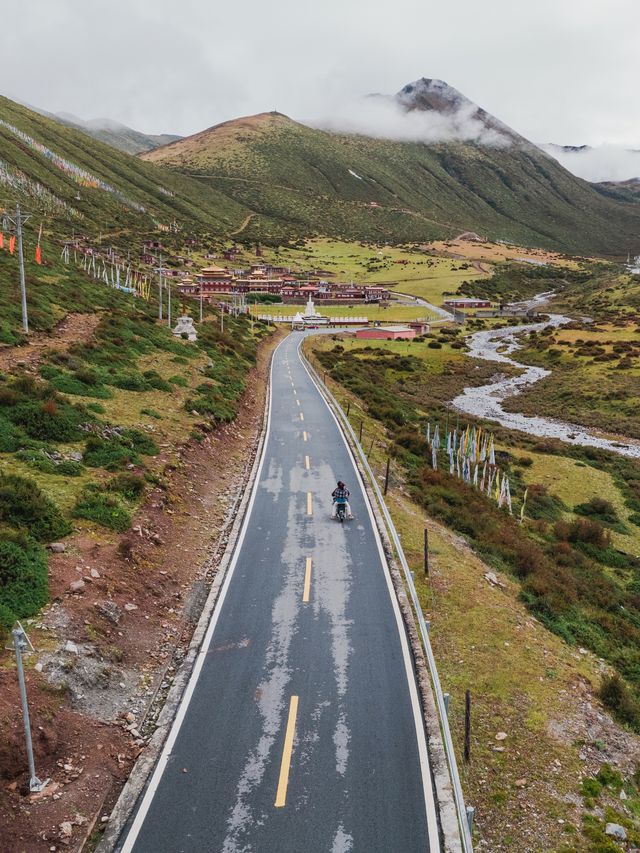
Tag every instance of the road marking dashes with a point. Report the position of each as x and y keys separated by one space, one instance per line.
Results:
x=304 y=435
x=301 y=416
x=283 y=781
x=309 y=504
x=307 y=582
x=307 y=464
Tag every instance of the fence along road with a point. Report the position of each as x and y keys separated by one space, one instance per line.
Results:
x=300 y=728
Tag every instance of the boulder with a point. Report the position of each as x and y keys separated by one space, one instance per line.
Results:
x=57 y=547
x=616 y=831
x=110 y=611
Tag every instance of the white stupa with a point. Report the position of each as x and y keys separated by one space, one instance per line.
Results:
x=310 y=317
x=185 y=326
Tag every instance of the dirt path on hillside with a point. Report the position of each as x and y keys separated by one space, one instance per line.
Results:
x=245 y=222
x=74 y=327
x=94 y=702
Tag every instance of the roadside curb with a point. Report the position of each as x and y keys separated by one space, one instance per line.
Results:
x=145 y=764
x=447 y=813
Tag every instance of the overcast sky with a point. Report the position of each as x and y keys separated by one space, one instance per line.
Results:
x=566 y=71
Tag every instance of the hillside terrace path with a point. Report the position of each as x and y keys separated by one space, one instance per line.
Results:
x=300 y=728
x=72 y=329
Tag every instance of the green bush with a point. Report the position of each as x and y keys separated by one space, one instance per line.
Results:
x=9 y=436
x=95 y=505
x=24 y=506
x=23 y=578
x=49 y=420
x=83 y=383
x=616 y=696
x=69 y=468
x=590 y=787
x=107 y=453
x=127 y=484
x=140 y=442
x=178 y=380
x=600 y=509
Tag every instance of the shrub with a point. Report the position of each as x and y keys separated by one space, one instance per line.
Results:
x=598 y=508
x=130 y=381
x=140 y=442
x=107 y=453
x=24 y=506
x=590 y=787
x=584 y=530
x=9 y=436
x=23 y=578
x=616 y=696
x=434 y=345
x=69 y=468
x=50 y=420
x=178 y=380
x=127 y=484
x=102 y=508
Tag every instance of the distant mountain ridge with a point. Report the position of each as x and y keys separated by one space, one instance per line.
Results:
x=374 y=187
x=117 y=135
x=597 y=163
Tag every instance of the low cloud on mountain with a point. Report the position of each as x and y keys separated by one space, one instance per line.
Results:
x=426 y=111
x=601 y=163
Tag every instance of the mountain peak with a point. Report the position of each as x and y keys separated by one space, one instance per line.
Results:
x=437 y=96
x=431 y=94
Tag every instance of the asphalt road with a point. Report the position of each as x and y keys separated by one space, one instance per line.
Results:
x=300 y=729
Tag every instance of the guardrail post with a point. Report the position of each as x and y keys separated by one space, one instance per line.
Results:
x=467 y=726
x=371 y=447
x=386 y=476
x=426 y=552
x=445 y=699
x=348 y=407
x=471 y=813
x=360 y=433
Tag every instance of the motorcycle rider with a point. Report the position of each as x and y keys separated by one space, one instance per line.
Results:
x=341 y=493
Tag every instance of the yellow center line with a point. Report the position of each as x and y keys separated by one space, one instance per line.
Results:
x=297 y=402
x=307 y=464
x=301 y=416
x=283 y=781
x=309 y=504
x=307 y=582
x=304 y=435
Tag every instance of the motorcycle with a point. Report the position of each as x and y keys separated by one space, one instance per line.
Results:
x=341 y=509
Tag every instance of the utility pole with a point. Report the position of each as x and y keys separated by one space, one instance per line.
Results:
x=160 y=288
x=18 y=222
x=201 y=301
x=20 y=643
x=169 y=305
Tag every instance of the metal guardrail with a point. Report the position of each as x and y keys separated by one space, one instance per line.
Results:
x=465 y=816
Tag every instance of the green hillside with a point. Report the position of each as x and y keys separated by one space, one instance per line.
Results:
x=84 y=183
x=364 y=188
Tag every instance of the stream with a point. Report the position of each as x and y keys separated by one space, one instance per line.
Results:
x=486 y=400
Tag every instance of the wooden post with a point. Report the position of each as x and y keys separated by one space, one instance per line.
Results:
x=348 y=407
x=467 y=726
x=360 y=433
x=371 y=447
x=426 y=552
x=386 y=476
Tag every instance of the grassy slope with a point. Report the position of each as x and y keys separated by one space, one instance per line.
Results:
x=183 y=198
x=523 y=680
x=595 y=377
x=301 y=176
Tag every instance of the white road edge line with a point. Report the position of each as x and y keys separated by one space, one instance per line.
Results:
x=149 y=794
x=430 y=805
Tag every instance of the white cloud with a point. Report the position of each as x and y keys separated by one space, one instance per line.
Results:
x=385 y=118
x=604 y=163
